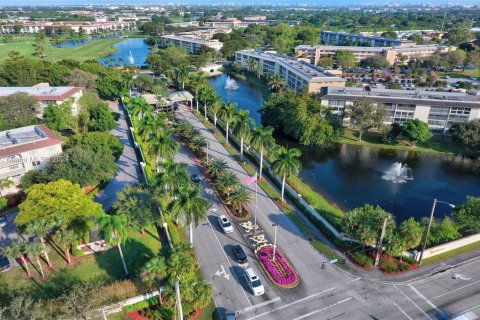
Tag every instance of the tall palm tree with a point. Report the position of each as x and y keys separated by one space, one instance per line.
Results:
x=198 y=143
x=33 y=251
x=65 y=239
x=227 y=113
x=147 y=125
x=114 y=229
x=181 y=263
x=181 y=75
x=192 y=204
x=206 y=94
x=41 y=228
x=138 y=107
x=155 y=272
x=227 y=182
x=196 y=82
x=286 y=163
x=241 y=126
x=262 y=139
x=239 y=198
x=173 y=175
x=162 y=146
x=214 y=108
x=276 y=82
x=16 y=251
x=217 y=167
x=252 y=64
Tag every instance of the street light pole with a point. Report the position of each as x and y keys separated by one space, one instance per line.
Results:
x=435 y=201
x=274 y=240
x=380 y=245
x=207 y=153
x=179 y=299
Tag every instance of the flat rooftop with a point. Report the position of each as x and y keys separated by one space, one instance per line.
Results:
x=190 y=38
x=361 y=36
x=376 y=49
x=25 y=139
x=307 y=69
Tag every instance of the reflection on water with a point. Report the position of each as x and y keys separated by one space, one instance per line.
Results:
x=132 y=51
x=75 y=43
x=351 y=176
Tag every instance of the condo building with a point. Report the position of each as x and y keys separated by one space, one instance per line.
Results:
x=439 y=109
x=191 y=43
x=25 y=149
x=397 y=54
x=297 y=73
x=344 y=38
x=86 y=27
x=233 y=23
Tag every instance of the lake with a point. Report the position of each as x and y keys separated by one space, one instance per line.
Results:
x=75 y=43
x=132 y=51
x=351 y=175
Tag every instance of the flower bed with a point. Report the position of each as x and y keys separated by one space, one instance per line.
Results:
x=279 y=271
x=361 y=259
x=390 y=265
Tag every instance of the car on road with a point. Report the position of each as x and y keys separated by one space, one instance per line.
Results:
x=4 y=263
x=253 y=281
x=226 y=225
x=230 y=315
x=195 y=178
x=239 y=254
x=3 y=222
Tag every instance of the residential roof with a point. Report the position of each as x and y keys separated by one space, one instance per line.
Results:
x=178 y=96
x=26 y=139
x=42 y=93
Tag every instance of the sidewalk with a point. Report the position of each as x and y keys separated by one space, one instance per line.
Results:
x=128 y=168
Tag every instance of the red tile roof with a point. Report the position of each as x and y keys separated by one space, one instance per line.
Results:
x=51 y=139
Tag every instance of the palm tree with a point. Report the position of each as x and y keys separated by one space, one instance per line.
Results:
x=114 y=228
x=214 y=108
x=227 y=113
x=33 y=251
x=252 y=64
x=227 y=182
x=217 y=167
x=199 y=292
x=41 y=228
x=262 y=138
x=198 y=143
x=5 y=183
x=206 y=94
x=138 y=107
x=65 y=239
x=192 y=204
x=239 y=198
x=241 y=126
x=16 y=251
x=161 y=145
x=155 y=272
x=147 y=125
x=182 y=263
x=286 y=163
x=276 y=82
x=173 y=176
x=181 y=74
x=196 y=82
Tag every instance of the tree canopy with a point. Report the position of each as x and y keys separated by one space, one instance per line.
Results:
x=18 y=110
x=416 y=131
x=102 y=143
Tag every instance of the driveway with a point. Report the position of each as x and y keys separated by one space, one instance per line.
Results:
x=128 y=171
x=9 y=232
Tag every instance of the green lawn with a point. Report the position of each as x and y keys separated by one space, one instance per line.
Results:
x=461 y=74
x=437 y=144
x=25 y=44
x=105 y=266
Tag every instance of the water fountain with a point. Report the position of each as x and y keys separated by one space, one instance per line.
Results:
x=231 y=84
x=131 y=60
x=398 y=173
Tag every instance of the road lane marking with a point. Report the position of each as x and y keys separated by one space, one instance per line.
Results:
x=322 y=309
x=228 y=261
x=416 y=305
x=355 y=280
x=462 y=287
x=292 y=303
x=221 y=272
x=466 y=311
x=430 y=303
x=401 y=310
x=262 y=304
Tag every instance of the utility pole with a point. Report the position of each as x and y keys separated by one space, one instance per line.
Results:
x=428 y=231
x=380 y=245
x=275 y=240
x=444 y=16
x=179 y=299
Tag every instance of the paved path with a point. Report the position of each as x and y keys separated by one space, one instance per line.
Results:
x=128 y=172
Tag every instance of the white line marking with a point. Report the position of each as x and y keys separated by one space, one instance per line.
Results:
x=355 y=280
x=259 y=305
x=465 y=311
x=324 y=308
x=401 y=310
x=228 y=261
x=416 y=305
x=291 y=303
x=463 y=287
x=430 y=303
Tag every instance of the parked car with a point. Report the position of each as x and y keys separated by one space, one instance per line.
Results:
x=3 y=222
x=230 y=315
x=239 y=254
x=225 y=224
x=253 y=281
x=195 y=178
x=4 y=263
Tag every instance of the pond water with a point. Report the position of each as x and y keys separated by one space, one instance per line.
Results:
x=351 y=176
x=133 y=51
x=75 y=43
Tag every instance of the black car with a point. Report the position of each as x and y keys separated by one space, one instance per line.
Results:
x=239 y=254
x=4 y=263
x=195 y=178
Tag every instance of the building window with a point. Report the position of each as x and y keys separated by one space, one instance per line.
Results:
x=35 y=163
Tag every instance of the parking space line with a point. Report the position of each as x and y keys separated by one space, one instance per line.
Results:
x=463 y=287
x=411 y=301
x=292 y=303
x=324 y=308
x=262 y=304
x=401 y=310
x=465 y=311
